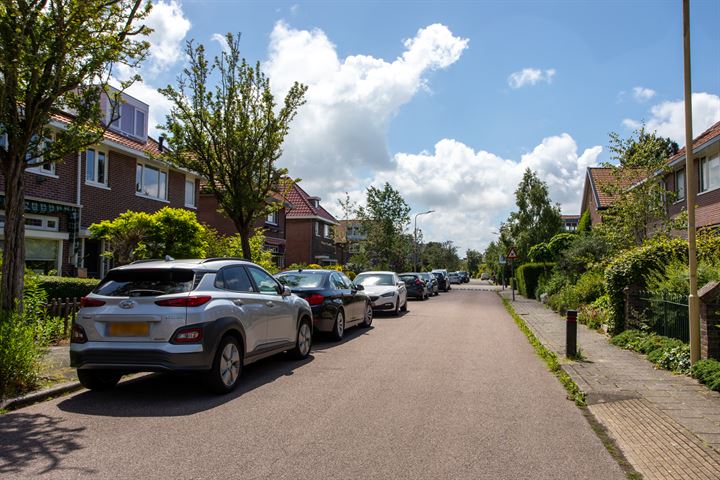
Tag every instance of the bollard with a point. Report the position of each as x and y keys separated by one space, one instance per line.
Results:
x=571 y=334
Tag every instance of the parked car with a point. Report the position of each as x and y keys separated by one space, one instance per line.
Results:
x=336 y=302
x=416 y=286
x=454 y=278
x=432 y=283
x=485 y=276
x=385 y=289
x=442 y=278
x=212 y=316
x=464 y=277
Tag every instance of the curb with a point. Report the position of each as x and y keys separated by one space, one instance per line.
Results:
x=39 y=396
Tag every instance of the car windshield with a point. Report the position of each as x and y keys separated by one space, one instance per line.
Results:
x=408 y=278
x=302 y=279
x=366 y=280
x=145 y=282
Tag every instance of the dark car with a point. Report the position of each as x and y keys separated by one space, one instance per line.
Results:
x=464 y=276
x=431 y=282
x=336 y=302
x=443 y=280
x=416 y=286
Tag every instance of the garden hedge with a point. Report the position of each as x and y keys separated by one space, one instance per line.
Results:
x=528 y=277
x=67 y=287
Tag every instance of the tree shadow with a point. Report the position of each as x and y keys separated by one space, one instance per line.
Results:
x=27 y=439
x=322 y=341
x=170 y=395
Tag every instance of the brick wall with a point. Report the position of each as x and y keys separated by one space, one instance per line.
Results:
x=209 y=213
x=298 y=248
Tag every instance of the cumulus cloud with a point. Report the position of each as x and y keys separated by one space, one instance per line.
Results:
x=530 y=77
x=643 y=94
x=170 y=25
x=472 y=191
x=350 y=101
x=668 y=118
x=222 y=40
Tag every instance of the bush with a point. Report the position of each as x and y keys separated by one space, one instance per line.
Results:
x=552 y=284
x=529 y=275
x=668 y=353
x=586 y=290
x=19 y=355
x=707 y=372
x=596 y=314
x=67 y=287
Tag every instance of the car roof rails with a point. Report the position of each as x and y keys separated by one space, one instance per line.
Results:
x=146 y=261
x=220 y=259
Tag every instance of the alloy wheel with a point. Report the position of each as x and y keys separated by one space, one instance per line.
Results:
x=304 y=339
x=229 y=364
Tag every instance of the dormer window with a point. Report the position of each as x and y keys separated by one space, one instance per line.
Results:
x=130 y=118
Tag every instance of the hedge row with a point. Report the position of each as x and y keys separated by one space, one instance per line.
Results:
x=67 y=287
x=528 y=277
x=707 y=372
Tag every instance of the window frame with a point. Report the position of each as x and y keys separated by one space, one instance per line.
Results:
x=220 y=278
x=188 y=182
x=96 y=161
x=701 y=163
x=273 y=218
x=278 y=286
x=139 y=187
x=678 y=185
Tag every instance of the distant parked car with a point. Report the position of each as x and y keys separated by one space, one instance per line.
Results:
x=211 y=316
x=485 y=276
x=416 y=286
x=464 y=276
x=454 y=278
x=336 y=302
x=432 y=283
x=442 y=278
x=385 y=289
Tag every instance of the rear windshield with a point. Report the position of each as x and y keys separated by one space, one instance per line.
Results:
x=408 y=278
x=146 y=282
x=374 y=279
x=301 y=279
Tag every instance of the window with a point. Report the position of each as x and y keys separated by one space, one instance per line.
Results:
x=190 y=193
x=131 y=120
x=139 y=123
x=234 y=279
x=35 y=222
x=264 y=282
x=337 y=282
x=327 y=231
x=317 y=229
x=709 y=173
x=151 y=182
x=680 y=184
x=35 y=157
x=95 y=167
x=272 y=218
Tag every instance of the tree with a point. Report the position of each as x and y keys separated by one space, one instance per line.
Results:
x=384 y=219
x=440 y=255
x=585 y=223
x=232 y=133
x=55 y=56
x=639 y=195
x=474 y=259
x=231 y=246
x=537 y=220
x=140 y=235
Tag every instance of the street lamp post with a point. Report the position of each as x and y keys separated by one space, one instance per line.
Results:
x=415 y=257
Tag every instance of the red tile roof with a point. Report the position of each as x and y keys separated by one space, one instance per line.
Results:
x=570 y=217
x=303 y=207
x=603 y=177
x=704 y=137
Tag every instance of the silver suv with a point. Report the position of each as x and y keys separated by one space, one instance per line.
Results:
x=213 y=316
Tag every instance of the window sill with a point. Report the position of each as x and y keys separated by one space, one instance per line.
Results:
x=193 y=207
x=272 y=224
x=708 y=191
x=151 y=198
x=40 y=172
x=97 y=185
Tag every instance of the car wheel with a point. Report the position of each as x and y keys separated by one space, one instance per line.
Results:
x=367 y=321
x=303 y=343
x=339 y=327
x=396 y=312
x=98 y=380
x=227 y=366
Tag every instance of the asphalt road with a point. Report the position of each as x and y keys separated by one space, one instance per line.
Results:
x=449 y=390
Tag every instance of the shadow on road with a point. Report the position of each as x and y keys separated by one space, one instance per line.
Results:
x=35 y=438
x=169 y=395
x=321 y=341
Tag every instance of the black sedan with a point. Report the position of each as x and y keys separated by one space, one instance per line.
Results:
x=416 y=286
x=336 y=302
x=443 y=281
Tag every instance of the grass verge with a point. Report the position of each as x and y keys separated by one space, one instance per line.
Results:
x=574 y=393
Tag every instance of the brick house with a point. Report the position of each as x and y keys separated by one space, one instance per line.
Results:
x=570 y=222
x=309 y=230
x=274 y=225
x=595 y=198
x=63 y=199
x=349 y=235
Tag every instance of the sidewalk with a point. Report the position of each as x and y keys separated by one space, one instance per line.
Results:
x=667 y=425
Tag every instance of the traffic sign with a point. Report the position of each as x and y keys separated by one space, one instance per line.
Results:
x=502 y=260
x=511 y=255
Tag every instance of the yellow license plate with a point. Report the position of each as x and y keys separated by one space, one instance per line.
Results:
x=128 y=329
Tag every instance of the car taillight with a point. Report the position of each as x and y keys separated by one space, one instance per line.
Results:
x=191 y=301
x=77 y=335
x=90 y=302
x=188 y=335
x=418 y=282
x=315 y=299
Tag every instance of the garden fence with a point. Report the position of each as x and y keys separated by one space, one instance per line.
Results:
x=665 y=314
x=64 y=308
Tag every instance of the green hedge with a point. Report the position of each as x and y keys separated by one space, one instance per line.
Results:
x=707 y=372
x=528 y=277
x=67 y=287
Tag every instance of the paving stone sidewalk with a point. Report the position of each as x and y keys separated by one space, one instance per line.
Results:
x=667 y=425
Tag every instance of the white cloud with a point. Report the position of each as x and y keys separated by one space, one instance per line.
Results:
x=159 y=105
x=341 y=130
x=294 y=8
x=530 y=76
x=473 y=191
x=668 y=118
x=643 y=94
x=170 y=26
x=222 y=40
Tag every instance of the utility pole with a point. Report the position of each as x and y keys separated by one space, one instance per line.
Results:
x=691 y=193
x=415 y=257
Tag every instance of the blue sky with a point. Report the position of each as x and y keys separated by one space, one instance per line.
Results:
x=450 y=101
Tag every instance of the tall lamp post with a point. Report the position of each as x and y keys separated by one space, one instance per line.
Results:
x=415 y=237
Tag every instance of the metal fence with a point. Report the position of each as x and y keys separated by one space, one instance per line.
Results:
x=665 y=315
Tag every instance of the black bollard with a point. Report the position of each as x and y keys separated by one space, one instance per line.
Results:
x=571 y=334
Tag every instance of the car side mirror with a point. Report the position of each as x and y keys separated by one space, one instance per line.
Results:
x=286 y=292
x=400 y=284
x=359 y=287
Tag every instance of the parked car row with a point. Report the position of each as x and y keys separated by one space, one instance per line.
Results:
x=215 y=316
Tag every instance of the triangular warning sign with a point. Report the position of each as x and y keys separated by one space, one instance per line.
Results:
x=511 y=254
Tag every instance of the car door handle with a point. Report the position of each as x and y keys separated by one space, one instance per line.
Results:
x=269 y=303
x=238 y=302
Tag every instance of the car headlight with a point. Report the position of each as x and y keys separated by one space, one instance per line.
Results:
x=388 y=294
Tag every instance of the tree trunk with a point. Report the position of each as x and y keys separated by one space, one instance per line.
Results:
x=245 y=233
x=13 y=267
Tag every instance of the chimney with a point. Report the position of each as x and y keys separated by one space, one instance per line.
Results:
x=160 y=143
